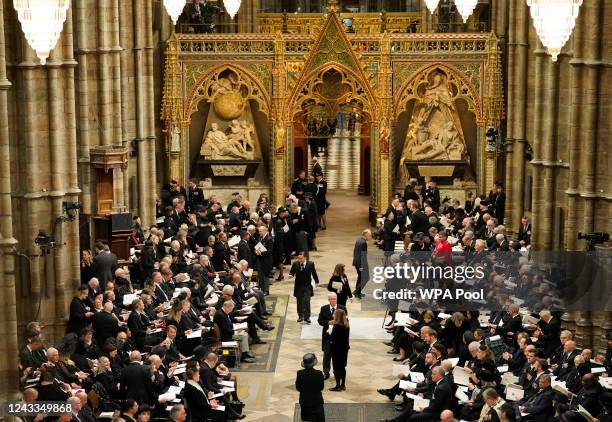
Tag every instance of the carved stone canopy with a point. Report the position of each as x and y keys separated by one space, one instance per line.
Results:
x=109 y=157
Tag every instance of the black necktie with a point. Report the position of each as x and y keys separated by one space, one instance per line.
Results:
x=301 y=267
x=333 y=310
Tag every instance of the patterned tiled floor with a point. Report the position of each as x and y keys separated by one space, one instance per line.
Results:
x=271 y=397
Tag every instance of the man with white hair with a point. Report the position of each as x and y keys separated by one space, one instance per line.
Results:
x=224 y=321
x=105 y=324
x=93 y=289
x=549 y=328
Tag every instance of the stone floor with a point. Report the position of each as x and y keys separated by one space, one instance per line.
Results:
x=271 y=397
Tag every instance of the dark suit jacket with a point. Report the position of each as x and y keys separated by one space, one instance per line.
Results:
x=105 y=325
x=540 y=403
x=138 y=328
x=359 y=259
x=303 y=278
x=31 y=359
x=208 y=378
x=524 y=234
x=310 y=383
x=549 y=339
x=244 y=252
x=419 y=222
x=442 y=398
x=77 y=319
x=565 y=364
x=104 y=266
x=226 y=326
x=265 y=260
x=198 y=404
x=325 y=316
x=136 y=383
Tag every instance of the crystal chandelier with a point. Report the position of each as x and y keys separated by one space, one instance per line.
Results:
x=465 y=8
x=554 y=21
x=431 y=5
x=232 y=7
x=174 y=9
x=42 y=22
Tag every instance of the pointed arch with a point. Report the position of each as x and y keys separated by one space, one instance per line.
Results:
x=464 y=89
x=253 y=89
x=332 y=50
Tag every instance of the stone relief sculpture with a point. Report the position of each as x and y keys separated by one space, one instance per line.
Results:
x=175 y=139
x=434 y=132
x=237 y=143
x=226 y=97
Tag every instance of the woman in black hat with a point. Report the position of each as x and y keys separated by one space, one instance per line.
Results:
x=310 y=383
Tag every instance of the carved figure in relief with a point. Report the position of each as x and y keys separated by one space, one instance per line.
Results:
x=433 y=132
x=175 y=140
x=217 y=146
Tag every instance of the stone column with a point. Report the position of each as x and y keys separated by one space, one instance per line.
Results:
x=105 y=89
x=9 y=347
x=590 y=104
x=548 y=144
x=538 y=112
x=150 y=142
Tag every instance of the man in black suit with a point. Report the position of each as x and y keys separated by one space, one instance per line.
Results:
x=540 y=404
x=310 y=383
x=29 y=357
x=244 y=250
x=305 y=276
x=326 y=314
x=224 y=322
x=524 y=233
x=360 y=262
x=136 y=381
x=549 y=328
x=196 y=196
x=441 y=399
x=104 y=264
x=105 y=324
x=80 y=313
x=511 y=325
x=264 y=259
x=565 y=363
x=419 y=222
x=221 y=258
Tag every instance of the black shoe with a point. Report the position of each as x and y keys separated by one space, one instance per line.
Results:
x=343 y=387
x=259 y=341
x=300 y=319
x=268 y=328
x=307 y=321
x=249 y=355
x=326 y=375
x=393 y=352
x=336 y=388
x=399 y=407
x=388 y=343
x=386 y=393
x=237 y=417
x=246 y=359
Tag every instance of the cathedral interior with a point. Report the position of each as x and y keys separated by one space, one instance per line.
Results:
x=381 y=92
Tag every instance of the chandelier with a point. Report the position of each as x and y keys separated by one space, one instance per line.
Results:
x=42 y=22
x=232 y=6
x=431 y=5
x=465 y=8
x=554 y=21
x=174 y=9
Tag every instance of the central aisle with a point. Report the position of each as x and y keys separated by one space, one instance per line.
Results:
x=271 y=396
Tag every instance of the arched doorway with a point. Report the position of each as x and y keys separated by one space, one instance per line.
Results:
x=332 y=119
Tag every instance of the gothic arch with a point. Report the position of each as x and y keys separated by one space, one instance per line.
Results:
x=463 y=90
x=303 y=89
x=250 y=86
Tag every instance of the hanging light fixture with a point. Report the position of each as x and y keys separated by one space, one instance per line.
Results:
x=431 y=5
x=554 y=21
x=465 y=8
x=174 y=9
x=232 y=6
x=42 y=22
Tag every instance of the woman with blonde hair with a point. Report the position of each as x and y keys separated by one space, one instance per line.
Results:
x=339 y=345
x=343 y=292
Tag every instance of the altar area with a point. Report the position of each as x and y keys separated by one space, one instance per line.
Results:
x=236 y=107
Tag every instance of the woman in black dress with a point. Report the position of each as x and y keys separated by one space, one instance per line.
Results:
x=321 y=198
x=339 y=276
x=339 y=343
